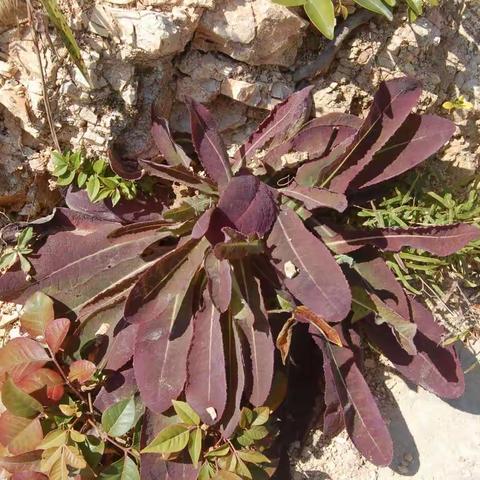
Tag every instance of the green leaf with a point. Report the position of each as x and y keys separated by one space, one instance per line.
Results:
x=25 y=236
x=220 y=451
x=252 y=456
x=262 y=415
x=171 y=439
x=93 y=188
x=206 y=472
x=18 y=402
x=416 y=6
x=290 y=3
x=186 y=413
x=248 y=437
x=242 y=469
x=376 y=6
x=116 y=197
x=8 y=260
x=123 y=469
x=58 y=19
x=246 y=417
x=119 y=418
x=322 y=14
x=66 y=179
x=81 y=179
x=37 y=314
x=195 y=445
x=224 y=475
x=99 y=166
x=55 y=438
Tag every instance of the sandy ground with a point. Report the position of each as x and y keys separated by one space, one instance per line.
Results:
x=434 y=439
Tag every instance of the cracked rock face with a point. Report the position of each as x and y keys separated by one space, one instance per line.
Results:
x=257 y=32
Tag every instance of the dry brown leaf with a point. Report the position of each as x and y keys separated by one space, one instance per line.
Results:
x=305 y=315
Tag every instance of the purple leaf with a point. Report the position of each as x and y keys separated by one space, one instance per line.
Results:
x=333 y=419
x=219 y=280
x=236 y=379
x=379 y=276
x=391 y=106
x=181 y=471
x=144 y=300
x=206 y=377
x=172 y=153
x=319 y=137
x=165 y=331
x=313 y=197
x=202 y=225
x=209 y=145
x=141 y=209
x=124 y=167
x=318 y=281
x=248 y=205
x=177 y=174
x=435 y=368
x=310 y=173
x=251 y=317
x=442 y=240
x=362 y=417
x=237 y=246
x=417 y=139
x=88 y=276
x=283 y=122
x=122 y=348
x=117 y=387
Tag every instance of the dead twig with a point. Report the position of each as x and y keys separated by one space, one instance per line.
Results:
x=321 y=64
x=46 y=102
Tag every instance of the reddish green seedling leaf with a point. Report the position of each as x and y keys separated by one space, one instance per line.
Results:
x=81 y=371
x=26 y=462
x=171 y=439
x=56 y=332
x=37 y=314
x=19 y=435
x=118 y=419
x=43 y=378
x=19 y=403
x=22 y=356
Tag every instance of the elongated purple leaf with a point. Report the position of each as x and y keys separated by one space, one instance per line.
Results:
x=417 y=139
x=237 y=245
x=313 y=197
x=164 y=336
x=206 y=386
x=173 y=153
x=248 y=205
x=318 y=281
x=362 y=417
x=391 y=106
x=236 y=377
x=98 y=271
x=283 y=122
x=219 y=281
x=376 y=273
x=140 y=209
x=145 y=300
x=181 y=470
x=124 y=167
x=435 y=368
x=442 y=240
x=319 y=137
x=122 y=348
x=209 y=145
x=252 y=320
x=177 y=174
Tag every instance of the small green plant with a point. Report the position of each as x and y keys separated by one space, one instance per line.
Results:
x=60 y=423
x=322 y=13
x=94 y=176
x=208 y=451
x=18 y=253
x=458 y=104
x=413 y=202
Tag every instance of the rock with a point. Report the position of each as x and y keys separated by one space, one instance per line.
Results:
x=428 y=34
x=257 y=32
x=145 y=34
x=245 y=92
